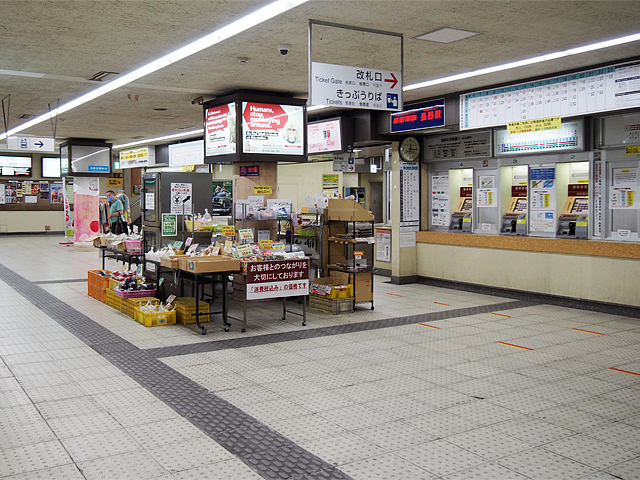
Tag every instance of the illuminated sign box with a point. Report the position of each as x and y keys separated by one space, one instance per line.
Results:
x=429 y=116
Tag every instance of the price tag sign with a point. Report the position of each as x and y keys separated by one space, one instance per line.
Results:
x=244 y=250
x=358 y=254
x=188 y=241
x=266 y=244
x=228 y=231
x=177 y=244
x=246 y=234
x=277 y=246
x=227 y=247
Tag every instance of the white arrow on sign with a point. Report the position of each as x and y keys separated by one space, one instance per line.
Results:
x=31 y=144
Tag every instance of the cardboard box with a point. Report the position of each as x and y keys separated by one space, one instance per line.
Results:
x=171 y=261
x=338 y=290
x=210 y=264
x=362 y=289
x=347 y=210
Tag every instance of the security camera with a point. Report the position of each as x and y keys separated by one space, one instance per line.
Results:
x=283 y=49
x=198 y=100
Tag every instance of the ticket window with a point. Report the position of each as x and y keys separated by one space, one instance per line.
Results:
x=514 y=199
x=573 y=196
x=623 y=200
x=461 y=192
x=487 y=201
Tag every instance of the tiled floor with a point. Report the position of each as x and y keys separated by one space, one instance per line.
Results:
x=432 y=384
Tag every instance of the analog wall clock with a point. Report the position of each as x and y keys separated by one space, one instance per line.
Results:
x=409 y=149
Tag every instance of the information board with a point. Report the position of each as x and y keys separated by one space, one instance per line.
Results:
x=409 y=194
x=569 y=137
x=592 y=91
x=281 y=278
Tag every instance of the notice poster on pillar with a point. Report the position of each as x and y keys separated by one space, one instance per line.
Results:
x=272 y=129
x=409 y=195
x=220 y=130
x=85 y=207
x=440 y=200
x=542 y=200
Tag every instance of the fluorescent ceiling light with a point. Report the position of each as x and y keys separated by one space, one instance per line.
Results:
x=529 y=61
x=245 y=23
x=316 y=107
x=446 y=35
x=159 y=139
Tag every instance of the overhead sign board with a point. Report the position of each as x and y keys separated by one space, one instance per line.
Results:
x=418 y=118
x=458 y=145
x=31 y=144
x=189 y=153
x=355 y=87
x=138 y=157
x=569 y=137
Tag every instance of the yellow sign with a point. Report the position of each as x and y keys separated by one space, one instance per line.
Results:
x=188 y=168
x=246 y=234
x=228 y=231
x=114 y=182
x=329 y=181
x=263 y=190
x=632 y=150
x=244 y=250
x=538 y=125
x=266 y=244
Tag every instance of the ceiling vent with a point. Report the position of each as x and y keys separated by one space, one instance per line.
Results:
x=98 y=77
x=446 y=35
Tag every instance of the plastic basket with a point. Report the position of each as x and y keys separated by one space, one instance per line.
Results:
x=114 y=301
x=97 y=293
x=333 y=306
x=155 y=319
x=132 y=246
x=113 y=283
x=130 y=304
x=186 y=310
x=136 y=293
x=98 y=280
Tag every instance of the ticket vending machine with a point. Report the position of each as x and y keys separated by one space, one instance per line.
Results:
x=514 y=221
x=461 y=217
x=574 y=220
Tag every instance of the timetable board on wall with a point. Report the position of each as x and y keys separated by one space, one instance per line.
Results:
x=409 y=194
x=604 y=89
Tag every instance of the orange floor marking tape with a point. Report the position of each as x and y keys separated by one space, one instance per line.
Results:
x=445 y=304
x=394 y=295
x=515 y=346
x=625 y=371
x=430 y=326
x=586 y=331
x=500 y=315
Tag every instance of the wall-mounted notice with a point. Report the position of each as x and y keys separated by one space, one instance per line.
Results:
x=2 y=194
x=542 y=200
x=407 y=239
x=220 y=130
x=383 y=245
x=465 y=145
x=622 y=176
x=272 y=129
x=597 y=194
x=486 y=194
x=600 y=90
x=440 y=200
x=409 y=195
x=179 y=202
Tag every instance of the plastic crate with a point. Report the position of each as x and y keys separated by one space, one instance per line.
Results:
x=97 y=293
x=135 y=293
x=115 y=301
x=132 y=246
x=333 y=306
x=98 y=280
x=113 y=283
x=130 y=304
x=186 y=310
x=154 y=319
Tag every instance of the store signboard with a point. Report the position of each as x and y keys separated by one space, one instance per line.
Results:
x=584 y=93
x=272 y=129
x=282 y=278
x=138 y=157
x=220 y=130
x=355 y=87
x=188 y=153
x=569 y=137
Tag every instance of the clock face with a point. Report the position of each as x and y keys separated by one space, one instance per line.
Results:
x=410 y=149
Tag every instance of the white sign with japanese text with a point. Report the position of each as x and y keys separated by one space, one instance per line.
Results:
x=355 y=87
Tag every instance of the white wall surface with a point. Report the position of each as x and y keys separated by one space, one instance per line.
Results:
x=602 y=279
x=31 y=221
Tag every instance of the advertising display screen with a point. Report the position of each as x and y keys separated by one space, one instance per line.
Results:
x=220 y=130
x=15 y=166
x=324 y=137
x=272 y=129
x=93 y=159
x=50 y=167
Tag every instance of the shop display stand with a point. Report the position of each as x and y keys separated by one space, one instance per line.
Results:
x=340 y=257
x=121 y=256
x=244 y=220
x=317 y=222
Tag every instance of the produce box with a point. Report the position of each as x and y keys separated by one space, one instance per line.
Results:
x=347 y=210
x=210 y=264
x=154 y=319
x=97 y=293
x=186 y=310
x=135 y=293
x=333 y=306
x=132 y=246
x=327 y=287
x=100 y=281
x=171 y=261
